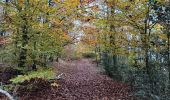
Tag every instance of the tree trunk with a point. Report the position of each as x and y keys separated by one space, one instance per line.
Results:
x=169 y=55
x=34 y=67
x=23 y=50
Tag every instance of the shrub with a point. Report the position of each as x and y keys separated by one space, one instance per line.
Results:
x=41 y=73
x=34 y=84
x=89 y=55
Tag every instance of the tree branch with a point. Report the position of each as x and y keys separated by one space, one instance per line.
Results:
x=7 y=94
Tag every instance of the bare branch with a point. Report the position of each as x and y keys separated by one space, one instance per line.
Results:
x=7 y=94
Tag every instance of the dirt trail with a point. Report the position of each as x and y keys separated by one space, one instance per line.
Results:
x=81 y=80
x=85 y=82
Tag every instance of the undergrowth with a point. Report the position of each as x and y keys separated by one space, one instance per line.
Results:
x=45 y=73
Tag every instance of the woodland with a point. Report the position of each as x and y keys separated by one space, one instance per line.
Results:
x=84 y=49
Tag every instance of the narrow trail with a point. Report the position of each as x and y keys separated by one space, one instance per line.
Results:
x=83 y=81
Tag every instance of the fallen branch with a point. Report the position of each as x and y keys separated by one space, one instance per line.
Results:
x=7 y=94
x=57 y=77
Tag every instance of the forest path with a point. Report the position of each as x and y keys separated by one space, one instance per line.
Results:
x=85 y=82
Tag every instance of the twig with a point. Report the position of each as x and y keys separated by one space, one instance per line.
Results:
x=59 y=76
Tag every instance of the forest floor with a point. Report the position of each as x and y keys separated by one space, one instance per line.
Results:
x=81 y=80
x=85 y=81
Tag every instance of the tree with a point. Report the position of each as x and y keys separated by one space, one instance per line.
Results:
x=38 y=28
x=162 y=11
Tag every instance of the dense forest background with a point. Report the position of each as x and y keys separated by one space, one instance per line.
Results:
x=128 y=39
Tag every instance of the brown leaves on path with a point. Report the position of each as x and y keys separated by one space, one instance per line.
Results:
x=85 y=82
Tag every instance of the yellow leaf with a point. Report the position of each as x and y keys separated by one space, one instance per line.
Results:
x=55 y=84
